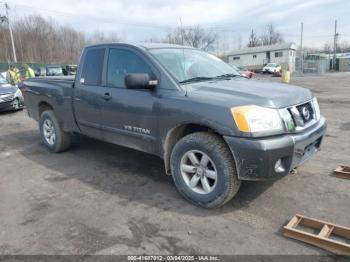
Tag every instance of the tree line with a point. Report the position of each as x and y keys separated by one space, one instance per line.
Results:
x=270 y=36
x=43 y=40
x=194 y=36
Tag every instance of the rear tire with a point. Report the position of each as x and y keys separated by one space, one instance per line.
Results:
x=52 y=135
x=203 y=170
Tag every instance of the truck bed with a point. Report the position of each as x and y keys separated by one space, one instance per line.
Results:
x=57 y=91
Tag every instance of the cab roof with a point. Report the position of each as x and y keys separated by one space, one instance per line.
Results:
x=144 y=45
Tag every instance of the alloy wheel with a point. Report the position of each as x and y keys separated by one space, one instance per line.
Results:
x=198 y=171
x=49 y=132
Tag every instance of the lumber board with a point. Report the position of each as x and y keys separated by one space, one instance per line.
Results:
x=323 y=238
x=342 y=171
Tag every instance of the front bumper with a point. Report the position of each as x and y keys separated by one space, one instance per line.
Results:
x=256 y=157
x=4 y=106
x=8 y=105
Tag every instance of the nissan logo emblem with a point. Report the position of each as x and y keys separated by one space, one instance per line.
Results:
x=306 y=113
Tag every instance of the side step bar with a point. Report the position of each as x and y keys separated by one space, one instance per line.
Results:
x=331 y=237
x=342 y=172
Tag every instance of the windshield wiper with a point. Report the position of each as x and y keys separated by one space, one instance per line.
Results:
x=206 y=78
x=196 y=79
x=227 y=76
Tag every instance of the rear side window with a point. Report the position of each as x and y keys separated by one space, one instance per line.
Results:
x=122 y=62
x=93 y=65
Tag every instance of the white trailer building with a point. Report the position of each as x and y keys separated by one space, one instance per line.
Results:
x=255 y=58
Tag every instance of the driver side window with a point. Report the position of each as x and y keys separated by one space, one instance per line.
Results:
x=122 y=62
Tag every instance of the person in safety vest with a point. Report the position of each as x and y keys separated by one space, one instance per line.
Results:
x=13 y=75
x=27 y=71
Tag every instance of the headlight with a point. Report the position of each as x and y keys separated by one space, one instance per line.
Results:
x=5 y=96
x=18 y=93
x=252 y=119
x=316 y=108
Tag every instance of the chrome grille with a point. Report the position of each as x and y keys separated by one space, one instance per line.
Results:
x=306 y=111
x=299 y=117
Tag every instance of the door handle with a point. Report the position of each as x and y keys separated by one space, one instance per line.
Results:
x=106 y=96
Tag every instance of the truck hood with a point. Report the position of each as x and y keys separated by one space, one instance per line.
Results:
x=7 y=89
x=240 y=91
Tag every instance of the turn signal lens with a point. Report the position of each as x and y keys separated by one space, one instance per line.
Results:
x=239 y=115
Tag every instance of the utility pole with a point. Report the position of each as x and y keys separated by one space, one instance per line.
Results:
x=182 y=32
x=335 y=46
x=11 y=35
x=301 y=49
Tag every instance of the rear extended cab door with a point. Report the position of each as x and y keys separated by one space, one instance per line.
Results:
x=89 y=92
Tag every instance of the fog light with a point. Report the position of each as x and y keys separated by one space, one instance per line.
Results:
x=279 y=168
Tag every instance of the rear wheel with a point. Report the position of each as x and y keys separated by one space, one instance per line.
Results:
x=52 y=135
x=203 y=170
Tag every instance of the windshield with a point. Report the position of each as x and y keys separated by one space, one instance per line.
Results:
x=235 y=68
x=3 y=80
x=271 y=65
x=186 y=64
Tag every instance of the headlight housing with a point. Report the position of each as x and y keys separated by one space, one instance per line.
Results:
x=316 y=108
x=255 y=119
x=5 y=97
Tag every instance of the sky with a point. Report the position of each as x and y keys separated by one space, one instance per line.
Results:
x=137 y=20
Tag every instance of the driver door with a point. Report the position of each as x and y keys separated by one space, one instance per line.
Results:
x=127 y=114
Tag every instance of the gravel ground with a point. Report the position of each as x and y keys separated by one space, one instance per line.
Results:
x=99 y=198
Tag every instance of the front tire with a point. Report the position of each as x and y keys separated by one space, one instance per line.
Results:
x=203 y=170
x=16 y=104
x=52 y=135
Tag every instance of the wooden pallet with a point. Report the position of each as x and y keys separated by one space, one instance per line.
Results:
x=297 y=226
x=342 y=172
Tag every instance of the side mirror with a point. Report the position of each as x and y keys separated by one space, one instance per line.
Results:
x=139 y=81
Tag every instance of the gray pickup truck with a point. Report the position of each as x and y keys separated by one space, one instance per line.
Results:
x=212 y=127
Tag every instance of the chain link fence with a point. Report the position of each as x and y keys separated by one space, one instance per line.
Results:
x=5 y=66
x=312 y=66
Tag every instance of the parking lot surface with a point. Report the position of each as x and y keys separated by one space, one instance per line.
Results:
x=99 y=198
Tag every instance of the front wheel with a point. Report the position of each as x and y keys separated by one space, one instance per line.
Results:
x=52 y=135
x=203 y=170
x=16 y=104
